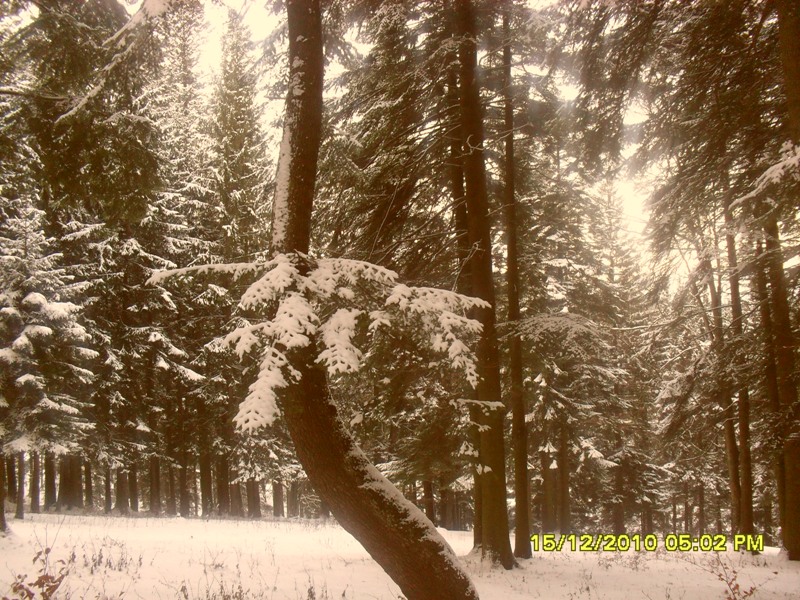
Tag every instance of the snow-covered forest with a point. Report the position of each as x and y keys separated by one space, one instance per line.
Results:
x=375 y=267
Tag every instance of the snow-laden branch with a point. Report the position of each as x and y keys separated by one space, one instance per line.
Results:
x=333 y=307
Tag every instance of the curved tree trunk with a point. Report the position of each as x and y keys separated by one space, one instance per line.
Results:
x=392 y=530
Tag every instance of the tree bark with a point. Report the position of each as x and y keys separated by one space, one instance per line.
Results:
x=519 y=430
x=20 y=512
x=3 y=522
x=50 y=497
x=183 y=485
x=745 y=461
x=293 y=500
x=235 y=492
x=11 y=478
x=770 y=372
x=701 y=509
x=784 y=342
x=123 y=504
x=107 y=499
x=277 y=499
x=789 y=37
x=496 y=545
x=253 y=499
x=133 y=487
x=206 y=483
x=88 y=485
x=428 y=500
x=36 y=476
x=549 y=497
x=564 y=503
x=155 y=485
x=391 y=529
x=172 y=504
x=223 y=486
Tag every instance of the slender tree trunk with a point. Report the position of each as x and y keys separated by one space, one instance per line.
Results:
x=724 y=398
x=172 y=504
x=277 y=499
x=687 y=510
x=20 y=513
x=549 y=495
x=63 y=501
x=495 y=544
x=123 y=503
x=88 y=484
x=391 y=529
x=789 y=36
x=784 y=341
x=155 y=485
x=223 y=486
x=50 y=498
x=564 y=503
x=11 y=478
x=618 y=508
x=133 y=487
x=107 y=499
x=745 y=461
x=519 y=430
x=3 y=488
x=36 y=476
x=701 y=509
x=445 y=510
x=770 y=373
x=183 y=485
x=206 y=483
x=235 y=492
x=75 y=481
x=253 y=499
x=293 y=500
x=430 y=504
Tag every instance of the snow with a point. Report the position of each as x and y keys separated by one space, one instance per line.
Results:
x=281 y=559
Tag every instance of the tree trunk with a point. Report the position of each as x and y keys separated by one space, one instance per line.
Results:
x=687 y=510
x=155 y=485
x=784 y=341
x=223 y=486
x=391 y=529
x=36 y=476
x=293 y=500
x=3 y=522
x=183 y=485
x=88 y=484
x=725 y=402
x=63 y=499
x=11 y=478
x=701 y=509
x=519 y=430
x=133 y=487
x=428 y=500
x=206 y=483
x=770 y=373
x=50 y=498
x=107 y=499
x=564 y=503
x=123 y=503
x=20 y=512
x=172 y=503
x=618 y=506
x=549 y=495
x=235 y=492
x=789 y=36
x=745 y=462
x=277 y=499
x=495 y=543
x=253 y=499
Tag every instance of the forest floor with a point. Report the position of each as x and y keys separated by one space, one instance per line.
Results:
x=165 y=558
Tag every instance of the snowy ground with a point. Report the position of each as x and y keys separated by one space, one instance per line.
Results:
x=191 y=559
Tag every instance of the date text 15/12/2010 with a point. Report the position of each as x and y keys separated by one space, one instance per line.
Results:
x=672 y=542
